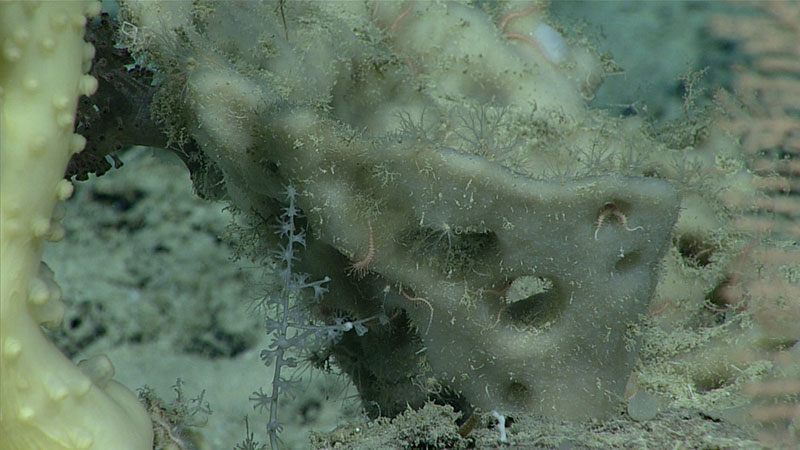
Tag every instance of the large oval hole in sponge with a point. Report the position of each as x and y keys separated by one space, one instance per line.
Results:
x=534 y=300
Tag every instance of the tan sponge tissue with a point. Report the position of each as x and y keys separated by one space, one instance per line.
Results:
x=46 y=401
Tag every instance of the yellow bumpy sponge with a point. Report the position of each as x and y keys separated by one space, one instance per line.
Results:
x=46 y=401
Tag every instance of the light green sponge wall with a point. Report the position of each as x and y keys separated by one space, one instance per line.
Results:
x=512 y=235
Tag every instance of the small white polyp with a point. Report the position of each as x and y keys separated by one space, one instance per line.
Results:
x=501 y=425
x=551 y=43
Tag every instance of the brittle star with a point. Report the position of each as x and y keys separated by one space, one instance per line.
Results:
x=420 y=299
x=361 y=267
x=610 y=209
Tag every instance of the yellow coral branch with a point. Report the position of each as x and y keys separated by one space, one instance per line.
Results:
x=46 y=401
